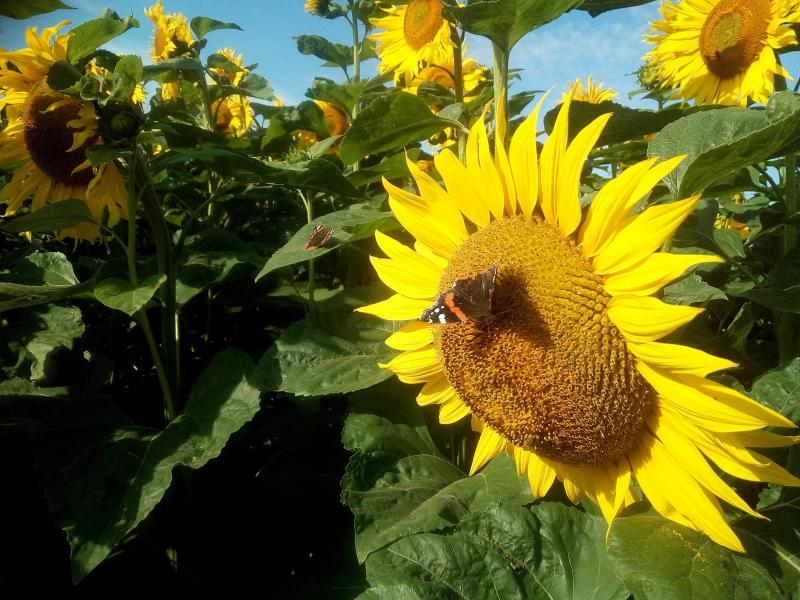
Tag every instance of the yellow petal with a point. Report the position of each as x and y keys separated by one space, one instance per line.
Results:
x=452 y=411
x=541 y=475
x=490 y=445
x=644 y=318
x=642 y=236
x=397 y=308
x=759 y=439
x=403 y=280
x=553 y=150
x=436 y=391
x=524 y=162
x=482 y=172
x=521 y=459
x=572 y=486
x=679 y=359
x=458 y=183
x=654 y=273
x=444 y=205
x=569 y=174
x=413 y=336
x=415 y=366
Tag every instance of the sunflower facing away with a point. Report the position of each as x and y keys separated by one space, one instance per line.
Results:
x=232 y=114
x=722 y=51
x=171 y=38
x=567 y=372
x=443 y=74
x=47 y=136
x=414 y=34
x=593 y=92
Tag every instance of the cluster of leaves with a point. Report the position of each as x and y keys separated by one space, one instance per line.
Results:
x=263 y=322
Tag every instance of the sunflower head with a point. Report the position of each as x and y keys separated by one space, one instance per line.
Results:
x=566 y=369
x=593 y=92
x=323 y=8
x=722 y=51
x=414 y=34
x=335 y=120
x=235 y=77
x=172 y=37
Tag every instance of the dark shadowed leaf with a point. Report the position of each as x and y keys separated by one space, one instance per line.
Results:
x=202 y=25
x=39 y=278
x=23 y=10
x=596 y=7
x=88 y=36
x=389 y=122
x=51 y=217
x=720 y=142
x=316 y=45
x=103 y=476
x=781 y=289
x=181 y=63
x=350 y=225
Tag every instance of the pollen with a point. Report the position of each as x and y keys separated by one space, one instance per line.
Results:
x=733 y=36
x=48 y=138
x=423 y=19
x=547 y=370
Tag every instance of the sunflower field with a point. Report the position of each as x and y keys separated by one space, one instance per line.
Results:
x=422 y=335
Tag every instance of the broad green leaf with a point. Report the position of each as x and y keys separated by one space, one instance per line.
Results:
x=88 y=36
x=220 y=61
x=255 y=86
x=202 y=25
x=120 y=294
x=316 y=45
x=781 y=289
x=660 y=560
x=625 y=124
x=103 y=153
x=505 y=22
x=127 y=74
x=340 y=94
x=729 y=242
x=103 y=476
x=355 y=223
x=597 y=7
x=50 y=218
x=720 y=142
x=692 y=290
x=181 y=63
x=332 y=351
x=780 y=389
x=23 y=10
x=39 y=278
x=63 y=76
x=389 y=122
x=390 y=167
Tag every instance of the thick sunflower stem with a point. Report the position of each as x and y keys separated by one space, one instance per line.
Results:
x=356 y=65
x=166 y=266
x=311 y=270
x=500 y=68
x=786 y=322
x=458 y=80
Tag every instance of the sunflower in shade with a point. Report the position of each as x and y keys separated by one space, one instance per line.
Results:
x=335 y=123
x=232 y=114
x=414 y=34
x=444 y=75
x=565 y=369
x=172 y=37
x=592 y=92
x=722 y=51
x=48 y=134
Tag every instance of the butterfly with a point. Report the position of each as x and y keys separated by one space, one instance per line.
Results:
x=319 y=237
x=469 y=298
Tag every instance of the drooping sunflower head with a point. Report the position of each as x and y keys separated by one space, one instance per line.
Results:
x=414 y=34
x=335 y=120
x=232 y=115
x=172 y=37
x=444 y=75
x=234 y=76
x=48 y=133
x=567 y=372
x=722 y=51
x=593 y=92
x=318 y=8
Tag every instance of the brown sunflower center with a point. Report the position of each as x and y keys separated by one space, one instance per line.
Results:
x=733 y=36
x=422 y=20
x=48 y=138
x=548 y=370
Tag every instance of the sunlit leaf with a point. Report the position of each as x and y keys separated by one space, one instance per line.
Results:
x=23 y=10
x=597 y=7
x=202 y=25
x=87 y=37
x=780 y=389
x=123 y=295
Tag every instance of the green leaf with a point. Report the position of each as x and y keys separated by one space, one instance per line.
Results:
x=103 y=476
x=625 y=124
x=127 y=74
x=780 y=389
x=357 y=222
x=39 y=278
x=220 y=61
x=660 y=560
x=692 y=290
x=318 y=46
x=181 y=63
x=720 y=142
x=389 y=122
x=23 y=10
x=202 y=25
x=255 y=86
x=781 y=289
x=332 y=351
x=505 y=22
x=61 y=75
x=121 y=294
x=340 y=94
x=88 y=36
x=597 y=7
x=51 y=217
x=729 y=242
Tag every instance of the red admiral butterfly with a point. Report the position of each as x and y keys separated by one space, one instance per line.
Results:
x=468 y=298
x=319 y=237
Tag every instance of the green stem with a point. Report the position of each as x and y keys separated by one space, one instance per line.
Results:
x=311 y=269
x=458 y=79
x=500 y=67
x=169 y=311
x=356 y=66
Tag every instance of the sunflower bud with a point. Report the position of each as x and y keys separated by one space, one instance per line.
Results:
x=120 y=120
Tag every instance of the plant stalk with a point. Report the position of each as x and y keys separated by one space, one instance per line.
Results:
x=311 y=269
x=458 y=79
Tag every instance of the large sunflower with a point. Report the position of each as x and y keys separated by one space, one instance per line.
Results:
x=171 y=38
x=722 y=51
x=47 y=136
x=567 y=373
x=232 y=114
x=414 y=34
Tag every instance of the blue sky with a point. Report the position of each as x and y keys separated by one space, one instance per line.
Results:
x=576 y=45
